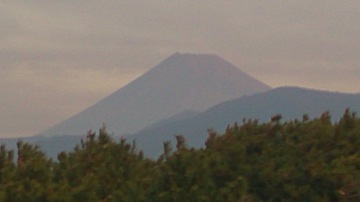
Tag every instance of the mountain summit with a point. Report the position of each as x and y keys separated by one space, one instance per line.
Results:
x=179 y=83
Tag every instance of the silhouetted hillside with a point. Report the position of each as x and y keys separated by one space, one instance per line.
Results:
x=290 y=102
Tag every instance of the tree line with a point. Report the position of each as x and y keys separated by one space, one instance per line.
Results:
x=297 y=160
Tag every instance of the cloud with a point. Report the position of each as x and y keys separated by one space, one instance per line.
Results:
x=57 y=57
x=30 y=105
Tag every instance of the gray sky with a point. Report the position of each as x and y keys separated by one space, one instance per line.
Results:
x=59 y=57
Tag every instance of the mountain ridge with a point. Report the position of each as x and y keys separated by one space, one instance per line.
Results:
x=194 y=125
x=291 y=102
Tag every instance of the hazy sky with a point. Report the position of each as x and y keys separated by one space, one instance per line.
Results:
x=59 y=57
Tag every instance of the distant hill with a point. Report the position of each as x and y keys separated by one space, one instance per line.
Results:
x=179 y=83
x=290 y=102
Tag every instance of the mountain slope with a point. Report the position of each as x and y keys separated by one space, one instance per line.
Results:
x=181 y=82
x=290 y=102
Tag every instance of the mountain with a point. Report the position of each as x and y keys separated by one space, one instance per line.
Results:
x=179 y=83
x=290 y=102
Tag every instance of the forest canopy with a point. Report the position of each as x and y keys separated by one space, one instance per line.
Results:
x=297 y=160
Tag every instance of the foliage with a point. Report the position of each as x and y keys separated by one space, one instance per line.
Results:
x=298 y=160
